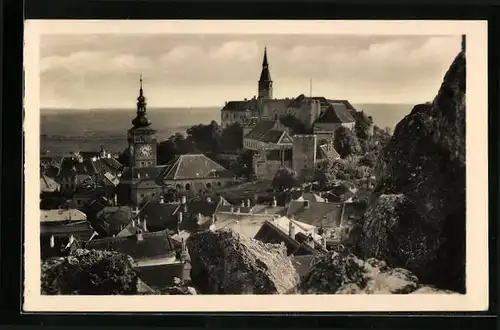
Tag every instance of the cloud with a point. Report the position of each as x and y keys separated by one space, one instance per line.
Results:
x=97 y=71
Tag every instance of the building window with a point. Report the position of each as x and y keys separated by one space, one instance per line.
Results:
x=142 y=195
x=188 y=186
x=209 y=185
x=153 y=194
x=142 y=163
x=219 y=184
x=178 y=187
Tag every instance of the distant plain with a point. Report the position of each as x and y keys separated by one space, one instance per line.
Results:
x=66 y=130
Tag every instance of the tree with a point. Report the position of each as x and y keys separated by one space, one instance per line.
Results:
x=369 y=159
x=175 y=145
x=232 y=137
x=295 y=125
x=362 y=125
x=346 y=143
x=285 y=178
x=89 y=272
x=206 y=138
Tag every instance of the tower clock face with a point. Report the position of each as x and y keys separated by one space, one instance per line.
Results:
x=145 y=150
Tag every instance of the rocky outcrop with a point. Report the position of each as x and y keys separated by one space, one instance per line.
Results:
x=340 y=272
x=224 y=262
x=416 y=219
x=89 y=272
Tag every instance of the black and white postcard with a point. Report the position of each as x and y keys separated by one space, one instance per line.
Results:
x=255 y=166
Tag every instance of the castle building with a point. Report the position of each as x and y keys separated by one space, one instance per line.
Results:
x=265 y=106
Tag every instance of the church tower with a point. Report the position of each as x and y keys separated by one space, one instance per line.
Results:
x=265 y=82
x=141 y=137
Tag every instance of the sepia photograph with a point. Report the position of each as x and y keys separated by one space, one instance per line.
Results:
x=321 y=163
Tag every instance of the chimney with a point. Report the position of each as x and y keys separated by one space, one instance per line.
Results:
x=133 y=223
x=275 y=203
x=238 y=210
x=306 y=204
x=139 y=236
x=232 y=209
x=213 y=219
x=291 y=230
x=248 y=203
x=161 y=199
x=183 y=200
x=183 y=245
x=179 y=221
x=116 y=200
x=138 y=175
x=242 y=203
x=52 y=241
x=144 y=227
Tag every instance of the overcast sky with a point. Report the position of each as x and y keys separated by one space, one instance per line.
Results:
x=102 y=71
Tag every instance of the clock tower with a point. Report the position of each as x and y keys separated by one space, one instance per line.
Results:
x=141 y=137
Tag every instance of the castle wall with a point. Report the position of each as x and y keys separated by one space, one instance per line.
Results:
x=304 y=152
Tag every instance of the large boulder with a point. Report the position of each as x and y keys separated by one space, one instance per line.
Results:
x=341 y=272
x=416 y=219
x=224 y=262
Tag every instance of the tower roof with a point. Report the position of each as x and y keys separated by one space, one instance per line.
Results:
x=141 y=119
x=265 y=75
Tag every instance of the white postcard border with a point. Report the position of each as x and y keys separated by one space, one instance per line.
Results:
x=476 y=157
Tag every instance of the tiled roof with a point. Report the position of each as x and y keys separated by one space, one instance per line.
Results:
x=62 y=215
x=307 y=196
x=327 y=151
x=48 y=184
x=111 y=179
x=240 y=105
x=144 y=173
x=326 y=102
x=195 y=166
x=116 y=214
x=112 y=163
x=261 y=129
x=298 y=100
x=159 y=216
x=272 y=136
x=156 y=244
x=71 y=166
x=205 y=208
x=270 y=233
x=336 y=113
x=317 y=214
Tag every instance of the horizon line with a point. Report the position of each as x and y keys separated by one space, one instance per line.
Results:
x=200 y=106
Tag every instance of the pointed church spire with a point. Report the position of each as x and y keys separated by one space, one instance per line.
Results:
x=264 y=61
x=265 y=82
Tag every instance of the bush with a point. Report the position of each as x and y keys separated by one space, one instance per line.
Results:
x=285 y=178
x=345 y=142
x=89 y=272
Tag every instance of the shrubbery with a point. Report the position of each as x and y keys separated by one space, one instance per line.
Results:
x=89 y=272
